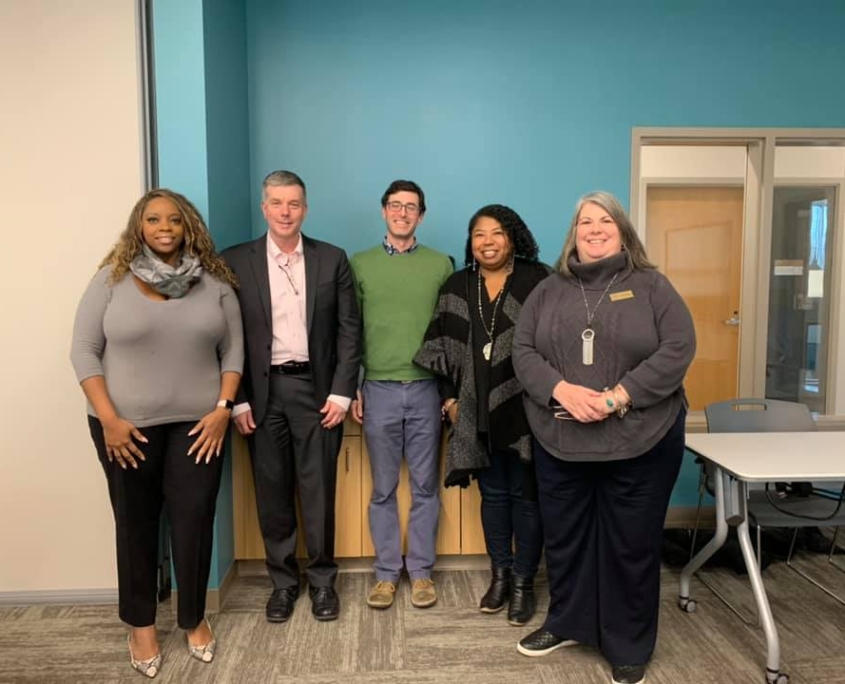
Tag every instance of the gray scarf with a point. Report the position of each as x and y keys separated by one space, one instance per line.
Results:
x=171 y=281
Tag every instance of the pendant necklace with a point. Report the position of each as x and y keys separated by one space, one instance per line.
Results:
x=589 y=335
x=487 y=349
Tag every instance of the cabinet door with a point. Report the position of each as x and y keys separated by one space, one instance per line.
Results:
x=348 y=507
x=249 y=544
x=472 y=534
x=449 y=529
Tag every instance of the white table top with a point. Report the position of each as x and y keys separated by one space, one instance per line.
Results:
x=774 y=456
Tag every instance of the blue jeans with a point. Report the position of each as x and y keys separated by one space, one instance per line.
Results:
x=507 y=517
x=403 y=418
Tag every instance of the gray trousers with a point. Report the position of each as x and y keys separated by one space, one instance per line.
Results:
x=290 y=450
x=403 y=418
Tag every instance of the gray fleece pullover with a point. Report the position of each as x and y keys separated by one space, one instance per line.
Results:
x=161 y=360
x=644 y=339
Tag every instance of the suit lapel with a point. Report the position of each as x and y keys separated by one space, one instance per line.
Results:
x=312 y=268
x=258 y=260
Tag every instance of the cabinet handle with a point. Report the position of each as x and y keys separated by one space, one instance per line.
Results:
x=347 y=459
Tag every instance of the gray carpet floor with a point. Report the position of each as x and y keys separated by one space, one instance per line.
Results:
x=451 y=643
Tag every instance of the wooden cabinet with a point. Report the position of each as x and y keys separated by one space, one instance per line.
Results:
x=460 y=521
x=449 y=528
x=348 y=511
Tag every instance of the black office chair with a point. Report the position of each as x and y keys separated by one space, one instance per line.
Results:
x=765 y=509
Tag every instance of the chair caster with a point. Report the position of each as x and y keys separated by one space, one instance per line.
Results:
x=688 y=605
x=776 y=677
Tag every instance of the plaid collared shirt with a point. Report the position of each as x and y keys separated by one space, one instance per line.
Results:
x=392 y=251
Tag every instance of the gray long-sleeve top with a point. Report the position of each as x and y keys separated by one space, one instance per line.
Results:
x=161 y=360
x=644 y=339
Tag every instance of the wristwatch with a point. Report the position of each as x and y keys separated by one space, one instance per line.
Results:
x=227 y=404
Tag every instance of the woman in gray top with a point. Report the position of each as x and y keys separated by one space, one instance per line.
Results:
x=601 y=350
x=158 y=350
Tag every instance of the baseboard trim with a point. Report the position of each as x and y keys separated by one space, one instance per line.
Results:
x=59 y=597
x=258 y=568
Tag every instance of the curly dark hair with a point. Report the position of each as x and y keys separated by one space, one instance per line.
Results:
x=524 y=245
x=197 y=239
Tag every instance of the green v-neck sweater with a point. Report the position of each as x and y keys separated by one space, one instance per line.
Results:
x=397 y=294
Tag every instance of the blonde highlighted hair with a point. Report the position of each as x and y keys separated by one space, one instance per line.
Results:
x=631 y=242
x=196 y=241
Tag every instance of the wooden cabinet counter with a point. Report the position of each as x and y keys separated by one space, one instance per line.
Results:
x=460 y=519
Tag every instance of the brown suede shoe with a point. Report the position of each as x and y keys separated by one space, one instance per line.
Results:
x=381 y=595
x=423 y=593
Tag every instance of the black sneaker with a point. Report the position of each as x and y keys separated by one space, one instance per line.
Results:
x=628 y=674
x=540 y=643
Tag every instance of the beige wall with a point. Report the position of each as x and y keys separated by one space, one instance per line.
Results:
x=70 y=170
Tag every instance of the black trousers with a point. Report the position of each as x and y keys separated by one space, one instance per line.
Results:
x=290 y=450
x=603 y=527
x=188 y=492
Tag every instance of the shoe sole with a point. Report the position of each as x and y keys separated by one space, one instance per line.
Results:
x=276 y=621
x=379 y=606
x=491 y=611
x=515 y=623
x=639 y=681
x=537 y=654
x=427 y=604
x=325 y=618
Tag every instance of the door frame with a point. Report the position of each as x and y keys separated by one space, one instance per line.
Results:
x=760 y=144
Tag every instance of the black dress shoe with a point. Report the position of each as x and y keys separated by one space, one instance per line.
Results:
x=281 y=603
x=325 y=604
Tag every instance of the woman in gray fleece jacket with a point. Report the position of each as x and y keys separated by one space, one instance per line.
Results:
x=158 y=350
x=601 y=350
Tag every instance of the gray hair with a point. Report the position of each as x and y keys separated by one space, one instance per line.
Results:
x=631 y=242
x=282 y=178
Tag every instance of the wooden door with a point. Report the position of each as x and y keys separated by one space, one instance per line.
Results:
x=694 y=234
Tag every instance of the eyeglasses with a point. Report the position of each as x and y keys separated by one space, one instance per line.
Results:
x=410 y=207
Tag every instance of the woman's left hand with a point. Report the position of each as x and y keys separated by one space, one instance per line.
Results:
x=604 y=404
x=212 y=431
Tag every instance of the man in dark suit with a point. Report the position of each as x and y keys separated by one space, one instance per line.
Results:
x=303 y=351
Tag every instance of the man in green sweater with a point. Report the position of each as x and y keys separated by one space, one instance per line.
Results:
x=397 y=283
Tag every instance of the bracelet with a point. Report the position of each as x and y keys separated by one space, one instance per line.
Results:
x=623 y=408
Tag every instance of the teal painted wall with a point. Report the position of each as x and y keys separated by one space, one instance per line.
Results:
x=227 y=131
x=180 y=99
x=528 y=104
x=203 y=149
x=479 y=101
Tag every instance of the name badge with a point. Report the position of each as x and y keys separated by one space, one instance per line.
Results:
x=620 y=296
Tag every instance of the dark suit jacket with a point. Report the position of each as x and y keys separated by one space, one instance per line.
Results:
x=334 y=323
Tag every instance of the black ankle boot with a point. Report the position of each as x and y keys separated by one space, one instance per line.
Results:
x=523 y=603
x=497 y=594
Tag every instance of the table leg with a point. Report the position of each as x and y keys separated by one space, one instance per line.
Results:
x=709 y=549
x=764 y=611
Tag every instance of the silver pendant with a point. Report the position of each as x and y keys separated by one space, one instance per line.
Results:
x=487 y=350
x=587 y=338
